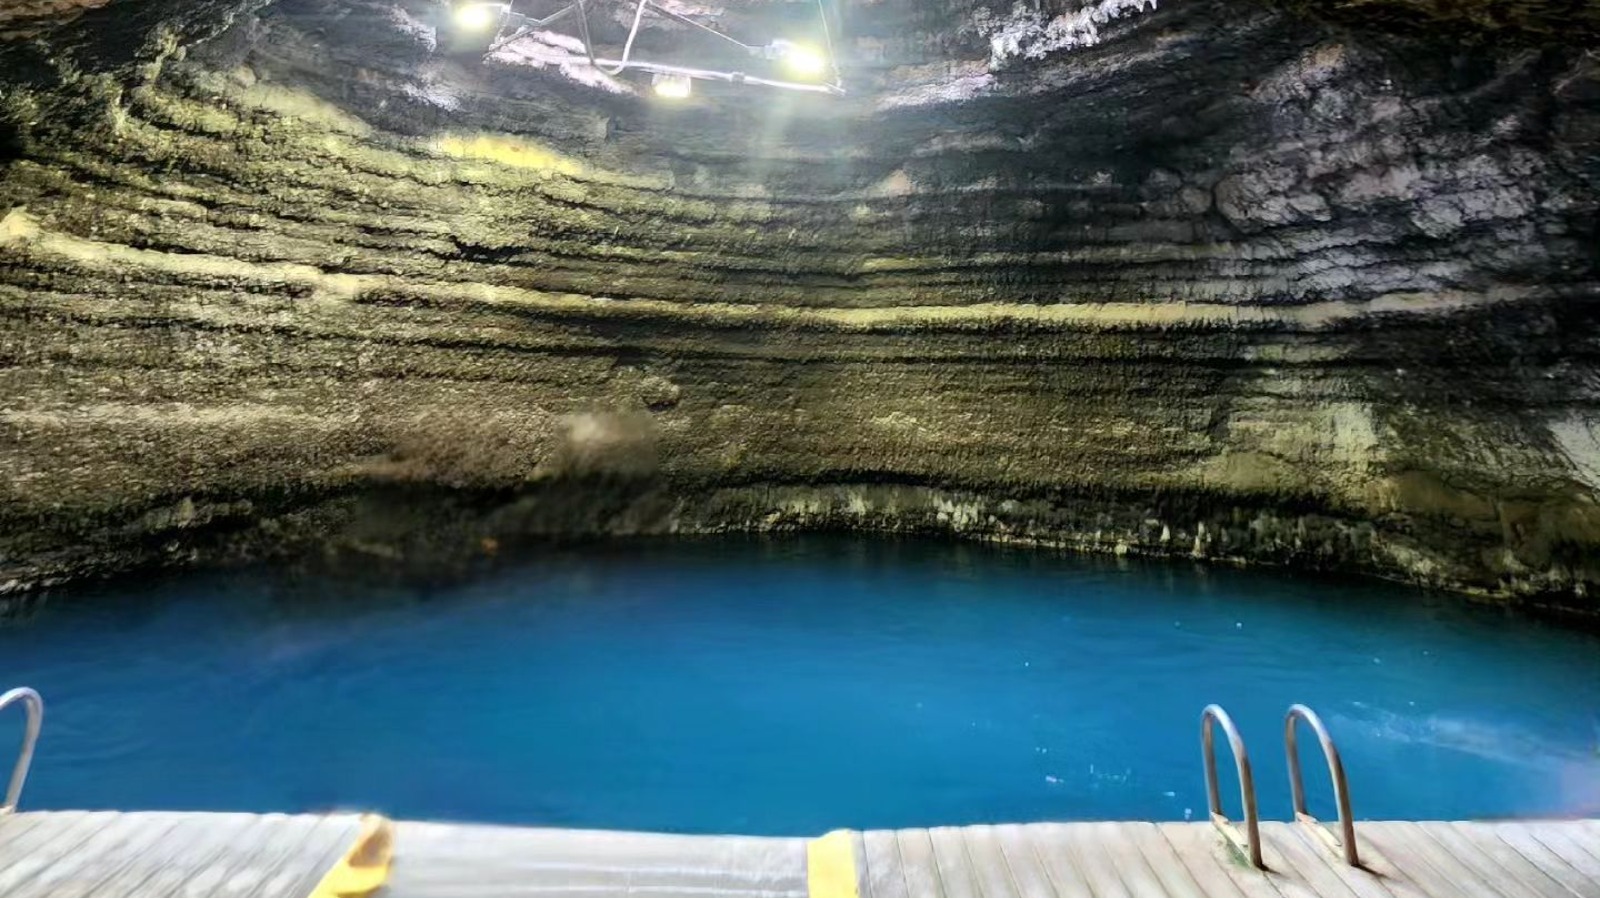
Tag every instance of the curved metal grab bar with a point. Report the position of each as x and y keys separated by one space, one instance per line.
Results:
x=1341 y=787
x=1247 y=783
x=34 y=705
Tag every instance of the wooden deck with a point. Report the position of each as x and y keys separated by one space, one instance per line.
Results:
x=112 y=855
x=105 y=854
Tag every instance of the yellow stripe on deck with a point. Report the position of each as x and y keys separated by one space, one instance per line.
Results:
x=831 y=866
x=365 y=867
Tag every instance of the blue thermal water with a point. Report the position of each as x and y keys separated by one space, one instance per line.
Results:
x=792 y=687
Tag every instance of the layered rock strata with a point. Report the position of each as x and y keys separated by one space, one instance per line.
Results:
x=1228 y=282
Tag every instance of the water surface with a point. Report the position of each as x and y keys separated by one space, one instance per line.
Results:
x=795 y=686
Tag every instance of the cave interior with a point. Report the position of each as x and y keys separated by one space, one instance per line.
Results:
x=1251 y=281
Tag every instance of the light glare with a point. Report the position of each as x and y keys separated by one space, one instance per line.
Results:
x=673 y=87
x=478 y=16
x=804 y=61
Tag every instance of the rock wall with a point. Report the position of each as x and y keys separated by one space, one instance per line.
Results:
x=1229 y=282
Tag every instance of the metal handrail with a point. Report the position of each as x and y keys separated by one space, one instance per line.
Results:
x=1341 y=787
x=34 y=705
x=1247 y=783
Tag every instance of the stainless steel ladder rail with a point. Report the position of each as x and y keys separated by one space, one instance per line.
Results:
x=1341 y=786
x=34 y=706
x=1247 y=784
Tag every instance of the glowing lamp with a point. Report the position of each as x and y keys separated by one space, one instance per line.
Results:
x=479 y=16
x=673 y=87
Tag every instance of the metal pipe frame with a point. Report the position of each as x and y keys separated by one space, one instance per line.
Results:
x=713 y=75
x=524 y=25
x=1247 y=784
x=685 y=20
x=1341 y=786
x=34 y=705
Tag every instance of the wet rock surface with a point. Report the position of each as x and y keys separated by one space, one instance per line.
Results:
x=1230 y=282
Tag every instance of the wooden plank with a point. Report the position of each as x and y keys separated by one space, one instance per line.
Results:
x=1578 y=832
x=45 y=844
x=423 y=864
x=1124 y=857
x=12 y=826
x=1432 y=868
x=917 y=863
x=989 y=868
x=70 y=854
x=46 y=827
x=1556 y=837
x=338 y=845
x=170 y=863
x=989 y=865
x=1399 y=864
x=232 y=865
x=103 y=864
x=1513 y=881
x=955 y=868
x=1065 y=876
x=858 y=845
x=1206 y=855
x=1375 y=880
x=133 y=869
x=1032 y=880
x=1382 y=868
x=1078 y=842
x=296 y=874
x=24 y=833
x=885 y=878
x=1287 y=878
x=1163 y=859
x=1288 y=855
x=106 y=855
x=1376 y=869
x=1538 y=855
x=246 y=867
x=1531 y=874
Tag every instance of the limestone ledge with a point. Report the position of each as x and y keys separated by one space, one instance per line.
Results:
x=413 y=533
